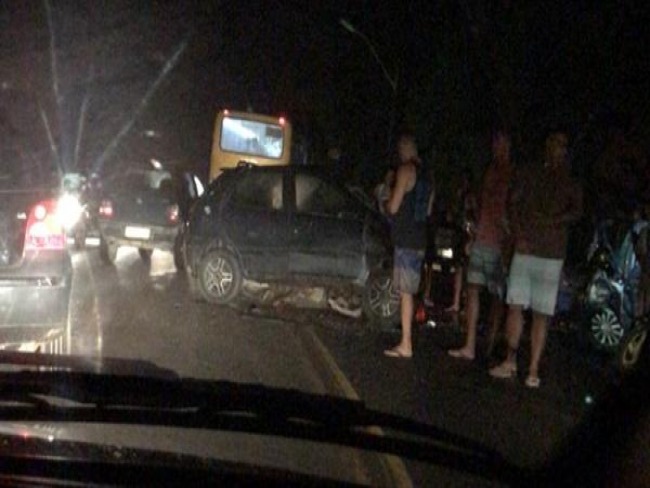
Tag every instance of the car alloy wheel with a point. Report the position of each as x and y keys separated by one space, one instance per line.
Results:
x=606 y=331
x=107 y=252
x=179 y=259
x=220 y=277
x=80 y=237
x=145 y=254
x=380 y=300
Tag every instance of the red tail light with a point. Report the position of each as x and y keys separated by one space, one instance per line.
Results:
x=173 y=213
x=44 y=229
x=106 y=208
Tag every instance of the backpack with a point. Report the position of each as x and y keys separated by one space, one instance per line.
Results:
x=422 y=191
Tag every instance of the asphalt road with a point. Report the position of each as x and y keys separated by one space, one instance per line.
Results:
x=143 y=311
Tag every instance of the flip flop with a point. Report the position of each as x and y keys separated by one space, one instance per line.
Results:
x=532 y=381
x=396 y=353
x=460 y=354
x=503 y=371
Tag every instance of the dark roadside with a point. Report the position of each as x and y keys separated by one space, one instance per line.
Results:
x=526 y=426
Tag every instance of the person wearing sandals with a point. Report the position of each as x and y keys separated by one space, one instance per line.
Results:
x=462 y=217
x=544 y=200
x=485 y=267
x=409 y=231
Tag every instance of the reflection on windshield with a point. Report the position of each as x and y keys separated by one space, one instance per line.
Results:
x=251 y=137
x=103 y=89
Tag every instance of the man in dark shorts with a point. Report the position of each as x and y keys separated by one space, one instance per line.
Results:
x=409 y=238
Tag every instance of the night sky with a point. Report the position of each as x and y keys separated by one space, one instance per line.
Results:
x=459 y=68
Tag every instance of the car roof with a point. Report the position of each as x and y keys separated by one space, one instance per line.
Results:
x=312 y=169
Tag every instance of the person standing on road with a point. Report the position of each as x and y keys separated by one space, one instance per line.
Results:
x=485 y=267
x=383 y=189
x=462 y=217
x=544 y=201
x=409 y=231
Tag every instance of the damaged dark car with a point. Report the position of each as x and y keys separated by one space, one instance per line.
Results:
x=290 y=224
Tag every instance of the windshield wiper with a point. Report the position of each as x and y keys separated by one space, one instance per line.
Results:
x=80 y=396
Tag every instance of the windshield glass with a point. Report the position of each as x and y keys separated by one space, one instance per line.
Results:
x=145 y=181
x=452 y=230
x=18 y=171
x=251 y=137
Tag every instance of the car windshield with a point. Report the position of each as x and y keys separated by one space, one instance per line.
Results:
x=251 y=137
x=142 y=181
x=18 y=171
x=447 y=284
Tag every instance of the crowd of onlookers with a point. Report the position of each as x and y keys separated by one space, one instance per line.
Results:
x=512 y=235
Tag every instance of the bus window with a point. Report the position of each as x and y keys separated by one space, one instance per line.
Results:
x=246 y=137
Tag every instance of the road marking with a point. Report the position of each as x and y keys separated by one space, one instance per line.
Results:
x=88 y=320
x=393 y=464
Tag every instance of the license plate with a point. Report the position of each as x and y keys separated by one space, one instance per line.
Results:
x=137 y=232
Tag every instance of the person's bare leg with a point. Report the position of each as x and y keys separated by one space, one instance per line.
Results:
x=407 y=309
x=428 y=278
x=458 y=287
x=405 y=347
x=538 y=341
x=469 y=349
x=514 y=326
x=497 y=309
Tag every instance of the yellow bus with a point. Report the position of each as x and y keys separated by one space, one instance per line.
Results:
x=242 y=137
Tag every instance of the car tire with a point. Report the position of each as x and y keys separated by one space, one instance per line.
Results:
x=632 y=346
x=380 y=302
x=179 y=259
x=145 y=254
x=604 y=330
x=80 y=237
x=107 y=252
x=219 y=277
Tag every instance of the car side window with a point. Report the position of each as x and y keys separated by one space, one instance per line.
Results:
x=314 y=195
x=259 y=190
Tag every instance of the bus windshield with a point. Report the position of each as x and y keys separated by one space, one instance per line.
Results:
x=248 y=137
x=251 y=137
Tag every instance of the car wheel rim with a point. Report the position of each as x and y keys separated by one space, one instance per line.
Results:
x=606 y=328
x=384 y=300
x=218 y=277
x=633 y=348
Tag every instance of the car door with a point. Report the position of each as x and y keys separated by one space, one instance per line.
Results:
x=255 y=220
x=326 y=229
x=190 y=188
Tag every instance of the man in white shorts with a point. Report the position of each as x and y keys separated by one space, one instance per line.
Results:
x=544 y=201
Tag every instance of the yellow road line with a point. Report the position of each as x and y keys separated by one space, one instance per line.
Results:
x=396 y=468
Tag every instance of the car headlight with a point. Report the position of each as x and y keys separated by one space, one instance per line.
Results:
x=599 y=292
x=68 y=211
x=446 y=252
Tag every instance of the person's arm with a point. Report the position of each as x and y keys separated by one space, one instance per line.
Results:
x=573 y=208
x=403 y=179
x=513 y=204
x=642 y=244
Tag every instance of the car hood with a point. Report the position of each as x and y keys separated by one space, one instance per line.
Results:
x=137 y=405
